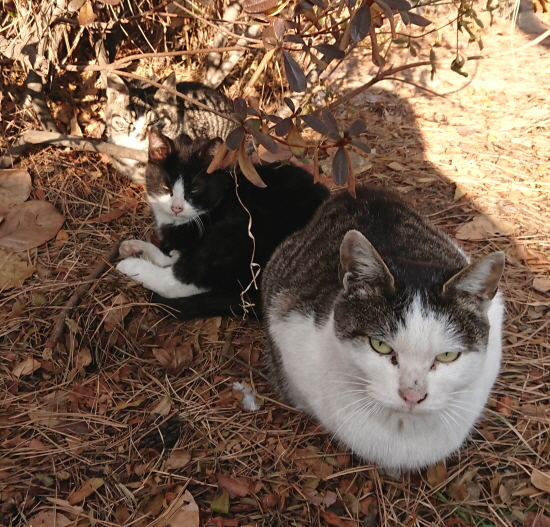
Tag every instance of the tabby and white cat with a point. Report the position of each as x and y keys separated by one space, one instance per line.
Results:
x=206 y=253
x=132 y=109
x=381 y=329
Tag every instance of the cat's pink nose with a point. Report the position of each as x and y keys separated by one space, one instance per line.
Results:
x=176 y=210
x=412 y=397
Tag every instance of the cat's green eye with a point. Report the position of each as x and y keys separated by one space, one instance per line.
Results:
x=380 y=347
x=449 y=356
x=194 y=190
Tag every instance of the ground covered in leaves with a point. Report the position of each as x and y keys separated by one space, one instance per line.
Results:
x=132 y=418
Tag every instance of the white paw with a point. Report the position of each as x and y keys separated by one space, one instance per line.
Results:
x=131 y=267
x=130 y=248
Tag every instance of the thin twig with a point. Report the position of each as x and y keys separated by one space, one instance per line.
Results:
x=36 y=137
x=77 y=296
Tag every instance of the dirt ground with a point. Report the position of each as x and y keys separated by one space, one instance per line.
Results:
x=135 y=419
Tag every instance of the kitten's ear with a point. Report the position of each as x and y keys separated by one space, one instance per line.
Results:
x=163 y=95
x=480 y=278
x=160 y=146
x=359 y=260
x=116 y=87
x=209 y=150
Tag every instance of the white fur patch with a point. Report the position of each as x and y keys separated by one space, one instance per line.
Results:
x=161 y=280
x=148 y=251
x=161 y=205
x=354 y=391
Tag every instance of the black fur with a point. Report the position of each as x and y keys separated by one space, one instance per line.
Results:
x=217 y=251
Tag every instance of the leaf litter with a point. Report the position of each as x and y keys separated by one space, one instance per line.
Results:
x=82 y=414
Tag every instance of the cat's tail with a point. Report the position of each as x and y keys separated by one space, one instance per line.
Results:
x=211 y=304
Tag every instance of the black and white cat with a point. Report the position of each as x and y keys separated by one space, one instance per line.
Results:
x=206 y=222
x=381 y=329
x=133 y=108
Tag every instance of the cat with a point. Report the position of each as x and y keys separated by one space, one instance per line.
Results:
x=204 y=261
x=380 y=328
x=132 y=109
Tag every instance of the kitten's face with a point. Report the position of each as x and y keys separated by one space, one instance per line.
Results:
x=414 y=349
x=131 y=112
x=178 y=188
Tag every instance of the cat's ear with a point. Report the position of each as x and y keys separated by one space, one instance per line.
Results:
x=116 y=87
x=164 y=96
x=480 y=278
x=360 y=261
x=160 y=146
x=209 y=150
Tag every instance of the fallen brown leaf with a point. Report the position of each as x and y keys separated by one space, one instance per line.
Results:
x=436 y=474
x=174 y=359
x=483 y=226
x=162 y=407
x=541 y=284
x=14 y=270
x=183 y=512
x=25 y=367
x=49 y=518
x=234 y=487
x=15 y=188
x=87 y=488
x=541 y=480
x=117 y=312
x=29 y=225
x=178 y=459
x=458 y=491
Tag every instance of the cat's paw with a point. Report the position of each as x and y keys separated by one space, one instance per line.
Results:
x=131 y=267
x=130 y=248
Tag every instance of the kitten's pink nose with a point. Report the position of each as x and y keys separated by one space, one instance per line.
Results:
x=142 y=136
x=176 y=209
x=412 y=397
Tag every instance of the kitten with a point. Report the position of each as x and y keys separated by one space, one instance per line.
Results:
x=381 y=329
x=206 y=253
x=132 y=109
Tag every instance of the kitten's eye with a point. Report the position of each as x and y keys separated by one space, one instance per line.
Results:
x=449 y=356
x=380 y=347
x=165 y=187
x=194 y=190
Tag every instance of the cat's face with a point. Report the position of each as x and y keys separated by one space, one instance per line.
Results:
x=414 y=351
x=179 y=189
x=131 y=112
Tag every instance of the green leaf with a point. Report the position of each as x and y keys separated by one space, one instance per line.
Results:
x=221 y=503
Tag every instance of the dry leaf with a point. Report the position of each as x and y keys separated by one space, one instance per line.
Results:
x=541 y=480
x=49 y=518
x=482 y=227
x=117 y=312
x=15 y=188
x=234 y=487
x=29 y=225
x=458 y=491
x=83 y=359
x=163 y=407
x=88 y=488
x=436 y=474
x=183 y=512
x=541 y=284
x=394 y=165
x=13 y=270
x=178 y=459
x=174 y=359
x=86 y=15
x=533 y=520
x=25 y=367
